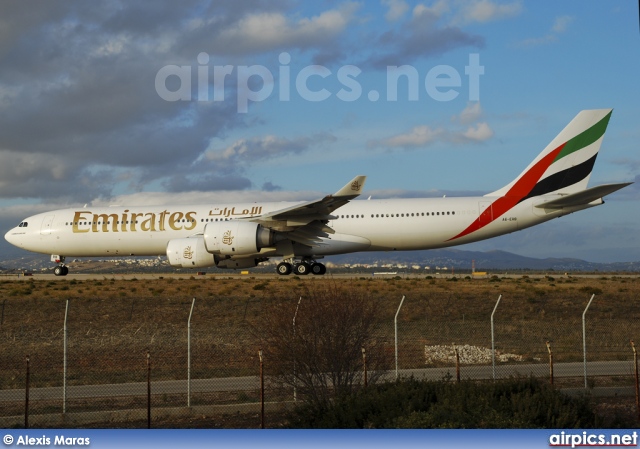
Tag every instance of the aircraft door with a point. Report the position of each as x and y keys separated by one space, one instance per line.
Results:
x=47 y=222
x=485 y=212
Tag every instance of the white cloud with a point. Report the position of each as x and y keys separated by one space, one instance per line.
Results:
x=397 y=8
x=424 y=135
x=560 y=25
x=112 y=45
x=271 y=30
x=199 y=197
x=471 y=113
x=479 y=133
x=483 y=11
x=437 y=10
x=419 y=136
x=16 y=167
x=244 y=151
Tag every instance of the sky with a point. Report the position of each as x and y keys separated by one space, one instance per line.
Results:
x=158 y=102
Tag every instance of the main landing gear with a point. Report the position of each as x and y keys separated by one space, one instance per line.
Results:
x=61 y=269
x=301 y=268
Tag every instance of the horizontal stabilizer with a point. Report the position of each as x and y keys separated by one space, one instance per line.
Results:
x=583 y=197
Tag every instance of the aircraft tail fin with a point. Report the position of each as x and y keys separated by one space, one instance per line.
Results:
x=565 y=165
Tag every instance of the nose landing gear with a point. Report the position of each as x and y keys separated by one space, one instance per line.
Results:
x=61 y=270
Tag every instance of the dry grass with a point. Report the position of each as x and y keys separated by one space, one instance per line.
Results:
x=112 y=323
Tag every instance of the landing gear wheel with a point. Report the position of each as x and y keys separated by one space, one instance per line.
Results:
x=318 y=269
x=60 y=270
x=65 y=271
x=302 y=269
x=284 y=268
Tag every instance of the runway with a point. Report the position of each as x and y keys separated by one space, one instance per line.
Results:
x=263 y=275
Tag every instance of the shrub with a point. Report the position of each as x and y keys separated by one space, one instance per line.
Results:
x=591 y=290
x=513 y=403
x=323 y=356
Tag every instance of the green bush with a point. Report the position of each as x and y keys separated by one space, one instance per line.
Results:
x=514 y=403
x=591 y=290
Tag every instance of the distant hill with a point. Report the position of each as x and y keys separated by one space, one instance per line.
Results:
x=494 y=260
x=435 y=259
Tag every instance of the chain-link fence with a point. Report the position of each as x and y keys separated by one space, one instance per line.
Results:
x=92 y=355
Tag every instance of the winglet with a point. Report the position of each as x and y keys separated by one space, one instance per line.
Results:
x=352 y=189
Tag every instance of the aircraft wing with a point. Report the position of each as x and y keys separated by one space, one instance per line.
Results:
x=305 y=223
x=583 y=197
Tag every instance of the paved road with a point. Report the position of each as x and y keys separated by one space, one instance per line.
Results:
x=575 y=369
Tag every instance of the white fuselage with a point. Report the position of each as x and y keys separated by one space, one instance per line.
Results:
x=362 y=225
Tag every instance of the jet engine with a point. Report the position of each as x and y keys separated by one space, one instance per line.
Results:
x=236 y=238
x=189 y=252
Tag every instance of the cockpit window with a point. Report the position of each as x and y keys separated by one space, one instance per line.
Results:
x=24 y=224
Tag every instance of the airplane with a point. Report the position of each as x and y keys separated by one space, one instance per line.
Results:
x=242 y=235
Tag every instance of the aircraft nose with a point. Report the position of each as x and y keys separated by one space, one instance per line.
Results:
x=10 y=237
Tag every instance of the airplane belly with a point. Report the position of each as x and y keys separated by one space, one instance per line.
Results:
x=342 y=244
x=103 y=245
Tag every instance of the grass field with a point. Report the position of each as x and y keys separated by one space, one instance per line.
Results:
x=113 y=323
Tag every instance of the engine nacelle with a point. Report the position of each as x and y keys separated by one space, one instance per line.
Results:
x=189 y=253
x=236 y=238
x=236 y=264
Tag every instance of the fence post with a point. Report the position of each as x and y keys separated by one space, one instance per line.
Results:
x=261 y=390
x=635 y=363
x=395 y=324
x=493 y=341
x=295 y=355
x=148 y=389
x=26 y=397
x=584 y=339
x=455 y=348
x=189 y=354
x=364 y=365
x=64 y=361
x=550 y=362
